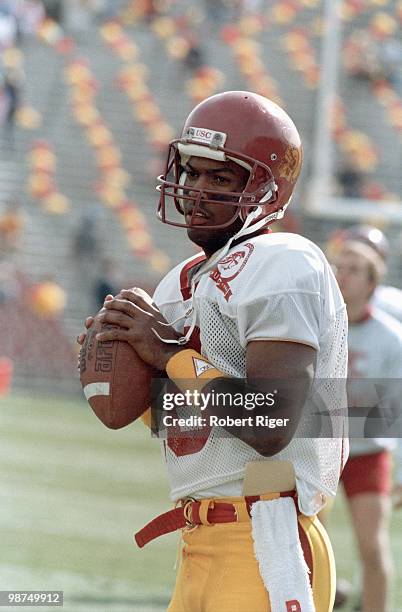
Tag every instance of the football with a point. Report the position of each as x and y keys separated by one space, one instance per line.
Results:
x=115 y=380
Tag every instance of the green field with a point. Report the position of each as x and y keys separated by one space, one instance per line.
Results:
x=72 y=493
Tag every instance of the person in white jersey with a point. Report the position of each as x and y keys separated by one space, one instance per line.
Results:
x=256 y=306
x=375 y=354
x=385 y=297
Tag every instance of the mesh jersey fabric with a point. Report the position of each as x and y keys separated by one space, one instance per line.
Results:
x=273 y=286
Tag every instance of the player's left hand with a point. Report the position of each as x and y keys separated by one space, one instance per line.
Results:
x=88 y=324
x=397 y=496
x=136 y=316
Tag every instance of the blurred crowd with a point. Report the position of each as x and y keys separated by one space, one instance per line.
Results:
x=44 y=296
x=18 y=19
x=374 y=59
x=367 y=58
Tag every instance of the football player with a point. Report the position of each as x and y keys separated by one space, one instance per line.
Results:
x=257 y=307
x=375 y=353
x=384 y=297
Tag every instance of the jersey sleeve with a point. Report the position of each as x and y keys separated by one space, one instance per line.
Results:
x=394 y=361
x=167 y=291
x=389 y=300
x=287 y=317
x=288 y=307
x=157 y=297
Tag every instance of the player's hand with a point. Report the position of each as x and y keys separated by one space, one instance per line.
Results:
x=136 y=316
x=81 y=338
x=397 y=496
x=88 y=323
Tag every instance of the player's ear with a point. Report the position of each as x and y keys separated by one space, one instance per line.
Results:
x=261 y=183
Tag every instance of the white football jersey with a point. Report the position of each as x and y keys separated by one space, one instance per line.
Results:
x=273 y=286
x=375 y=354
x=389 y=300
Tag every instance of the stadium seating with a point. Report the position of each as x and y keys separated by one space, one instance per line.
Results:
x=77 y=173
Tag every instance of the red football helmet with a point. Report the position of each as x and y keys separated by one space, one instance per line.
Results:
x=248 y=129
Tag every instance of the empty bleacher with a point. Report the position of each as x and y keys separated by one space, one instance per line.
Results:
x=47 y=247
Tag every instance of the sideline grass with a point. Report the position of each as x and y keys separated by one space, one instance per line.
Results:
x=72 y=493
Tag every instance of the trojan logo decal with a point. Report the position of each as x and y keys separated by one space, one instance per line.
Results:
x=229 y=267
x=291 y=164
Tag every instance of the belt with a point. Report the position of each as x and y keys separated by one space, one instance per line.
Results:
x=193 y=512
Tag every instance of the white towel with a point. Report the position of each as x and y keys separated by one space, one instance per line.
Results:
x=280 y=556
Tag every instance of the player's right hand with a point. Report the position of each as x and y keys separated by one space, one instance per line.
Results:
x=88 y=323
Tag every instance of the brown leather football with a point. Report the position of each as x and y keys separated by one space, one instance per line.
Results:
x=115 y=380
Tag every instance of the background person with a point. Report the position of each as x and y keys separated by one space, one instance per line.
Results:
x=385 y=297
x=375 y=352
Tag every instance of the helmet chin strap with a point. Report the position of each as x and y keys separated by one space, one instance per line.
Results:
x=245 y=230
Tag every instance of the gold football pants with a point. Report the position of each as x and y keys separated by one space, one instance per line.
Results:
x=219 y=573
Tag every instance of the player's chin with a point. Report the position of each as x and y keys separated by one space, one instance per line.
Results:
x=209 y=239
x=199 y=235
x=212 y=239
